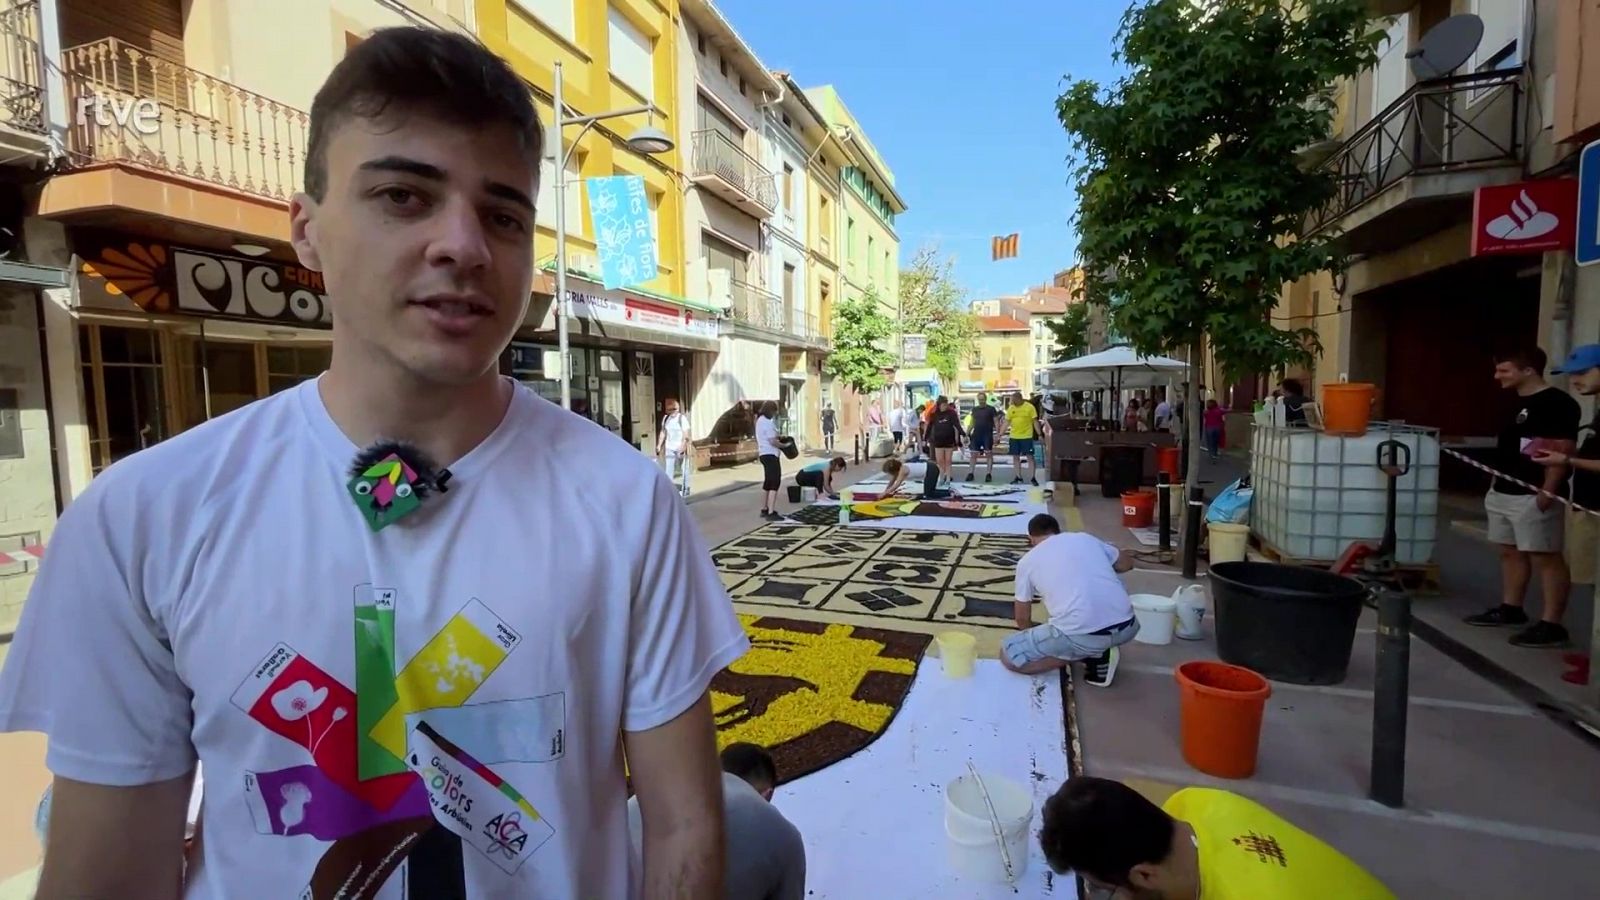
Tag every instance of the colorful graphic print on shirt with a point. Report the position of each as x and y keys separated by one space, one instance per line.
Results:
x=400 y=769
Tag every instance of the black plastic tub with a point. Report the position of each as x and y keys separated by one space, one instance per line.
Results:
x=1288 y=623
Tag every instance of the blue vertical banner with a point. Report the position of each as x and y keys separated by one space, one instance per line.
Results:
x=1587 y=250
x=620 y=210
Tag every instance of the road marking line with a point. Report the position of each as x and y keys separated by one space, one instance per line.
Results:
x=1344 y=803
x=1503 y=709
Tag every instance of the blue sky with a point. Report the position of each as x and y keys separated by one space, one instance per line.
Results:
x=959 y=97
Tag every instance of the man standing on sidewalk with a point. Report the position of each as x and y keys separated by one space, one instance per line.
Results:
x=1526 y=525
x=1583 y=528
x=981 y=439
x=673 y=446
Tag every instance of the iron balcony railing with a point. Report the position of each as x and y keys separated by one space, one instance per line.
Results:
x=1453 y=124
x=757 y=306
x=21 y=67
x=717 y=154
x=130 y=107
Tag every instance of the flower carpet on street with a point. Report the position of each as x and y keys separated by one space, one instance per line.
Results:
x=895 y=507
x=928 y=577
x=813 y=693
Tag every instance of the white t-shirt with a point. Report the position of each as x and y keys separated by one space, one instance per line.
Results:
x=897 y=419
x=767 y=437
x=220 y=597
x=673 y=427
x=1073 y=573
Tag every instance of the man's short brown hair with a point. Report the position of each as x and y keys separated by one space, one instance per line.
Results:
x=448 y=76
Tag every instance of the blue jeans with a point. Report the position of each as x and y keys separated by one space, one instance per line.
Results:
x=1047 y=642
x=678 y=466
x=1213 y=441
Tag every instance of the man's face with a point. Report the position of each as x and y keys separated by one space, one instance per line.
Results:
x=671 y=407
x=1511 y=376
x=983 y=399
x=425 y=241
x=1587 y=382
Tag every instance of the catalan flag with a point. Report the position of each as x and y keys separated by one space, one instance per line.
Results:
x=1006 y=247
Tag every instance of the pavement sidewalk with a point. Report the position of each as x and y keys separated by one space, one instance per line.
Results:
x=1500 y=799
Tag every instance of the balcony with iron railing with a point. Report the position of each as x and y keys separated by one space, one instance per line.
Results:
x=21 y=68
x=723 y=167
x=1421 y=158
x=202 y=128
x=755 y=306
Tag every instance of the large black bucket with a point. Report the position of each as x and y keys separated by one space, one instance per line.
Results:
x=1289 y=623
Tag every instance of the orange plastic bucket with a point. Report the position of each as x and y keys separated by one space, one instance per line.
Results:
x=1167 y=461
x=1219 y=712
x=1138 y=509
x=1347 y=408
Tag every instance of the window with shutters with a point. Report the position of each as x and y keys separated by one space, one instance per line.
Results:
x=545 y=202
x=557 y=15
x=720 y=254
x=709 y=117
x=631 y=51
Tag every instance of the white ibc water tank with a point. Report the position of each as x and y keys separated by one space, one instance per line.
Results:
x=1315 y=493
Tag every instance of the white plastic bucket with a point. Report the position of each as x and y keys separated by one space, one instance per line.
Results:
x=974 y=852
x=1191 y=601
x=1228 y=542
x=808 y=494
x=1157 y=616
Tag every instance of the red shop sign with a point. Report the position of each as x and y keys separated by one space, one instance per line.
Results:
x=1526 y=217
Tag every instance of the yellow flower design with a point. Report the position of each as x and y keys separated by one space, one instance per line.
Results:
x=793 y=682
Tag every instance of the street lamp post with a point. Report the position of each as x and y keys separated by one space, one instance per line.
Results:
x=648 y=139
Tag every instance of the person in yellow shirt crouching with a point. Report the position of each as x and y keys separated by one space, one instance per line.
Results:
x=1202 y=844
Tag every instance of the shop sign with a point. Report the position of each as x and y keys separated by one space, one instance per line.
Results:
x=1587 y=252
x=1526 y=217
x=914 y=350
x=970 y=385
x=163 y=278
x=653 y=315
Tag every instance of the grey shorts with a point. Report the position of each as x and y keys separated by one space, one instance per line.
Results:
x=1047 y=642
x=1515 y=520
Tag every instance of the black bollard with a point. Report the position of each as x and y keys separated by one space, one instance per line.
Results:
x=1191 y=534
x=856 y=442
x=1390 y=698
x=1164 y=497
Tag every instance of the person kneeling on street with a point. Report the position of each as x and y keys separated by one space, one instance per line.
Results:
x=1201 y=842
x=1090 y=614
x=819 y=475
x=897 y=472
x=766 y=857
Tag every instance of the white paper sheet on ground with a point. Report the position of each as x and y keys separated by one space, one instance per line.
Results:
x=877 y=818
x=1150 y=537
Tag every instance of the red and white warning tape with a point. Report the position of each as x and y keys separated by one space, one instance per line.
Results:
x=1517 y=481
x=23 y=555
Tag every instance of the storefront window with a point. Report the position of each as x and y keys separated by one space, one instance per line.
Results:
x=226 y=377
x=288 y=366
x=123 y=390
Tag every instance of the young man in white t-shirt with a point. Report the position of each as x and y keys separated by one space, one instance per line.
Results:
x=1077 y=575
x=673 y=446
x=395 y=691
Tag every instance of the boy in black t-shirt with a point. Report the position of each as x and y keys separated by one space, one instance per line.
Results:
x=1528 y=526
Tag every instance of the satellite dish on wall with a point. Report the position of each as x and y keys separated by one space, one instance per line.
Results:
x=1446 y=47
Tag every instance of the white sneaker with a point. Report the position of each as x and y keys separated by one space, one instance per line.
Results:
x=1099 y=672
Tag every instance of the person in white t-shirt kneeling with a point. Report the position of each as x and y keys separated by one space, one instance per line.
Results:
x=1077 y=575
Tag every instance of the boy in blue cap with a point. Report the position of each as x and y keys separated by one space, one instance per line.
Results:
x=1582 y=368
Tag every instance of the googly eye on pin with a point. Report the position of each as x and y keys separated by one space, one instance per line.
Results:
x=390 y=480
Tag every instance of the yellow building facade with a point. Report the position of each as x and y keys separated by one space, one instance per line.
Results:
x=1002 y=359
x=600 y=47
x=868 y=252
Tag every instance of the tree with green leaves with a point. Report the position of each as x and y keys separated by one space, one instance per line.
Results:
x=1191 y=196
x=1070 y=332
x=934 y=305
x=860 y=352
